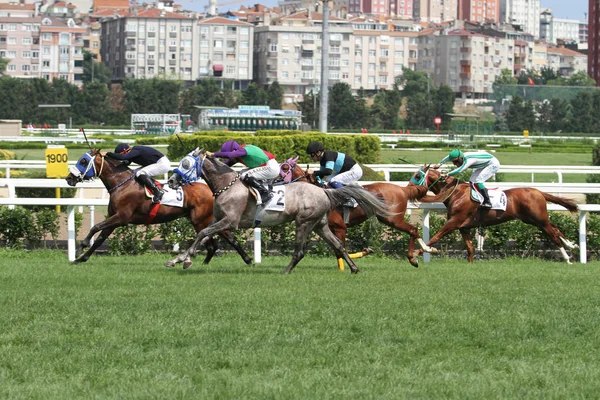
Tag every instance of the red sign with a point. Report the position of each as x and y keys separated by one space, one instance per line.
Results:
x=437 y=121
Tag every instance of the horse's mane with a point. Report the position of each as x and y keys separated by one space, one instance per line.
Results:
x=117 y=165
x=220 y=167
x=444 y=193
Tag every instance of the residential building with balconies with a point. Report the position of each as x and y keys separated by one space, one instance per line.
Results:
x=522 y=56
x=45 y=47
x=289 y=51
x=150 y=43
x=435 y=10
x=479 y=10
x=225 y=50
x=566 y=61
x=524 y=13
x=17 y=10
x=469 y=62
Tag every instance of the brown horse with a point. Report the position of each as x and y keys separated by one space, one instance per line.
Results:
x=395 y=197
x=128 y=204
x=524 y=204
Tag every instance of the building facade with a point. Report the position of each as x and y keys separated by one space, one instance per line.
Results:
x=435 y=10
x=593 y=66
x=524 y=13
x=479 y=10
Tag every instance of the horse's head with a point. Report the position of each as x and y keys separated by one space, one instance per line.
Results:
x=84 y=170
x=420 y=177
x=287 y=168
x=189 y=169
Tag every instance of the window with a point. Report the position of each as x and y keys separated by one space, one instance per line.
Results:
x=307 y=74
x=25 y=67
x=204 y=43
x=26 y=40
x=273 y=47
x=244 y=31
x=371 y=66
x=357 y=80
x=11 y=67
x=173 y=28
x=218 y=30
x=151 y=28
x=45 y=64
x=218 y=44
x=65 y=38
x=243 y=72
x=285 y=74
x=371 y=80
x=243 y=57
x=204 y=56
x=231 y=30
x=358 y=66
x=385 y=53
x=334 y=74
x=383 y=79
x=142 y=28
x=345 y=75
x=11 y=54
x=46 y=36
x=12 y=40
x=398 y=54
x=397 y=67
x=230 y=70
x=284 y=61
x=35 y=54
x=296 y=75
x=130 y=27
x=244 y=44
x=26 y=54
x=372 y=53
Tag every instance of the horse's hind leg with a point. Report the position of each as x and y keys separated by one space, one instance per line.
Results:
x=104 y=234
x=210 y=230
x=235 y=244
x=466 y=235
x=302 y=232
x=337 y=246
x=557 y=237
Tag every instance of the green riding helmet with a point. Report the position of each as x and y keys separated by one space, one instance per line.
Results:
x=454 y=154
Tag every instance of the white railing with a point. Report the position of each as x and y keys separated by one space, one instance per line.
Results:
x=387 y=169
x=71 y=203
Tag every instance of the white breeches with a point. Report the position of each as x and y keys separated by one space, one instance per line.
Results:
x=347 y=177
x=269 y=171
x=481 y=175
x=161 y=167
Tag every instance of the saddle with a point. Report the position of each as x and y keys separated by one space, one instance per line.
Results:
x=497 y=197
x=148 y=191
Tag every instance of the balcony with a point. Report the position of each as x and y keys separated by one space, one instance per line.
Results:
x=130 y=47
x=150 y=62
x=151 y=48
x=130 y=61
x=465 y=62
x=307 y=67
x=172 y=35
x=485 y=77
x=465 y=75
x=466 y=89
x=131 y=34
x=172 y=62
x=486 y=64
x=151 y=34
x=465 y=49
x=172 y=49
x=519 y=67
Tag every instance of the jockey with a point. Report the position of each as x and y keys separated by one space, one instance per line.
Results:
x=261 y=164
x=153 y=163
x=484 y=164
x=340 y=169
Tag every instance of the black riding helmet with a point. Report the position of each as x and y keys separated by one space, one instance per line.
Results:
x=313 y=147
x=122 y=148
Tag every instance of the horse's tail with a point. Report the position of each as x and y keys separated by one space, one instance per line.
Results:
x=561 y=201
x=371 y=204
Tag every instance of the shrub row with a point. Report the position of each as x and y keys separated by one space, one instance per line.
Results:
x=19 y=227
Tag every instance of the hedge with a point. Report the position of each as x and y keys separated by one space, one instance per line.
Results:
x=20 y=227
x=283 y=144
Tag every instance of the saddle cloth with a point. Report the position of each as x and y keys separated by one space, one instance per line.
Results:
x=497 y=198
x=277 y=202
x=173 y=198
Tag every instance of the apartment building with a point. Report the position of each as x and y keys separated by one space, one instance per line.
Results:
x=566 y=61
x=225 y=50
x=401 y=8
x=289 y=51
x=45 y=47
x=380 y=55
x=468 y=62
x=20 y=10
x=479 y=10
x=593 y=66
x=523 y=56
x=435 y=10
x=540 y=56
x=553 y=29
x=146 y=44
x=524 y=13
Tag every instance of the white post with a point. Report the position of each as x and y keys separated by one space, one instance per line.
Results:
x=559 y=173
x=80 y=196
x=426 y=256
x=71 y=232
x=12 y=193
x=7 y=172
x=257 y=246
x=386 y=175
x=582 y=237
x=92 y=221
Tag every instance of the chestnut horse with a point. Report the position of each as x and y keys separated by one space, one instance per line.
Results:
x=128 y=204
x=524 y=204
x=395 y=197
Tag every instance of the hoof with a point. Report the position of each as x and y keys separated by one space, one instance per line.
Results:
x=432 y=250
x=76 y=261
x=169 y=264
x=413 y=262
x=368 y=251
x=355 y=271
x=187 y=264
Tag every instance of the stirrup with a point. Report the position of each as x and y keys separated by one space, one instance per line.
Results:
x=158 y=196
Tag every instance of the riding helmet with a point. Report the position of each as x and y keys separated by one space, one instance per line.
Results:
x=230 y=145
x=456 y=153
x=122 y=148
x=313 y=147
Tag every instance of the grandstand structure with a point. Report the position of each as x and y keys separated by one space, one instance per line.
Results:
x=248 y=118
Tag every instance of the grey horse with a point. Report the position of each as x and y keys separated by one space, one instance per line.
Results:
x=235 y=206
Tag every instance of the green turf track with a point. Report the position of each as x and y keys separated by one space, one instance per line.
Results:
x=128 y=328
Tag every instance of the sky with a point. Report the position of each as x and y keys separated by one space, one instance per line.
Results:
x=572 y=9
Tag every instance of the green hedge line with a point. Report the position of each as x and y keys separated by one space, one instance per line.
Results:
x=19 y=227
x=283 y=144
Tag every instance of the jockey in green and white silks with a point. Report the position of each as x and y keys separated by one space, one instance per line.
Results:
x=483 y=163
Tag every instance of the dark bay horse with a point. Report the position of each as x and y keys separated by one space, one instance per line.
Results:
x=524 y=204
x=235 y=206
x=394 y=196
x=128 y=204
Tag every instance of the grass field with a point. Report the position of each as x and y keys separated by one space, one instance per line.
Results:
x=130 y=328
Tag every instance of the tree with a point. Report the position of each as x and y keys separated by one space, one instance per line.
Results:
x=544 y=115
x=445 y=99
x=3 y=65
x=253 y=95
x=342 y=106
x=385 y=109
x=520 y=115
x=310 y=109
x=547 y=74
x=275 y=96
x=95 y=102
x=582 y=112
x=560 y=115
x=505 y=78
x=420 y=92
x=580 y=78
x=207 y=92
x=93 y=70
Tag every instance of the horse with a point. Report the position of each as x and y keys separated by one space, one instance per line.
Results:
x=236 y=206
x=394 y=196
x=524 y=204
x=128 y=204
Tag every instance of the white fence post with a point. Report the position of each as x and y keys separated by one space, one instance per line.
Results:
x=426 y=256
x=257 y=246
x=71 y=232
x=582 y=237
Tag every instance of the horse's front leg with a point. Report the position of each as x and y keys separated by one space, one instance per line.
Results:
x=302 y=232
x=451 y=225
x=112 y=222
x=466 y=235
x=104 y=234
x=214 y=228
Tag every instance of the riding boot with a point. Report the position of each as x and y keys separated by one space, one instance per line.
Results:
x=486 y=198
x=147 y=181
x=265 y=194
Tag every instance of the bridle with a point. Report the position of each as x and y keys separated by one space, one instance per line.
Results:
x=194 y=172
